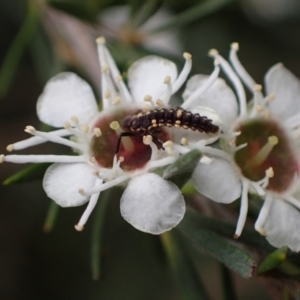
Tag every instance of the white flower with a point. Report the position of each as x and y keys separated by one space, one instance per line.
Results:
x=149 y=202
x=262 y=149
x=117 y=25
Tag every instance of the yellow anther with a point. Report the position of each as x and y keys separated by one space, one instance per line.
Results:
x=100 y=40
x=187 y=55
x=235 y=46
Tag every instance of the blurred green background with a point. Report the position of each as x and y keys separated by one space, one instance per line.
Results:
x=42 y=38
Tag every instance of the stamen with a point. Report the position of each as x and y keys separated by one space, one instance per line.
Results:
x=264 y=152
x=203 y=88
x=30 y=129
x=2 y=158
x=239 y=147
x=75 y=120
x=22 y=159
x=85 y=129
x=240 y=70
x=104 y=186
x=107 y=94
x=168 y=145
x=148 y=99
x=183 y=74
x=234 y=79
x=101 y=40
x=54 y=138
x=67 y=125
x=92 y=160
x=97 y=131
x=147 y=139
x=36 y=140
x=159 y=103
x=263 y=214
x=117 y=100
x=243 y=209
x=184 y=142
x=10 y=148
x=166 y=97
x=92 y=203
x=126 y=141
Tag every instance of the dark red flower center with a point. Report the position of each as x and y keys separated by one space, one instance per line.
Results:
x=260 y=155
x=104 y=146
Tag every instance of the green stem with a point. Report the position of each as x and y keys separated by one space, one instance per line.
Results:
x=51 y=217
x=97 y=234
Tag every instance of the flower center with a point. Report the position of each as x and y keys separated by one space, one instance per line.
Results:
x=267 y=147
x=134 y=152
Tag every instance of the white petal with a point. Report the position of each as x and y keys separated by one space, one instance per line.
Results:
x=64 y=96
x=63 y=181
x=218 y=181
x=286 y=87
x=219 y=97
x=152 y=204
x=146 y=77
x=165 y=41
x=282 y=225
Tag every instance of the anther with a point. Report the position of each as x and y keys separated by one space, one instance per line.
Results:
x=121 y=159
x=2 y=158
x=257 y=88
x=67 y=125
x=167 y=80
x=187 y=55
x=184 y=142
x=259 y=108
x=168 y=145
x=213 y=52
x=235 y=46
x=100 y=40
x=97 y=132
x=30 y=129
x=270 y=172
x=79 y=227
x=81 y=191
x=216 y=62
x=271 y=97
x=117 y=100
x=10 y=148
x=92 y=160
x=114 y=125
x=261 y=231
x=107 y=94
x=147 y=98
x=159 y=103
x=105 y=68
x=118 y=78
x=147 y=139
x=75 y=120
x=85 y=128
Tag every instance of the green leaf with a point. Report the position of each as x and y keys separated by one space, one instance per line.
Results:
x=31 y=173
x=51 y=217
x=182 y=169
x=273 y=260
x=227 y=229
x=233 y=257
x=182 y=266
x=97 y=234
x=18 y=47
